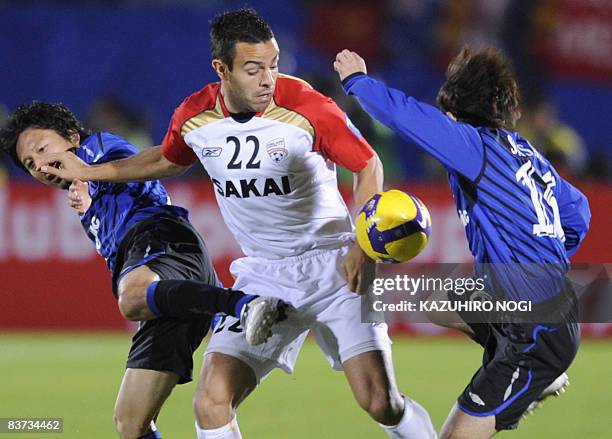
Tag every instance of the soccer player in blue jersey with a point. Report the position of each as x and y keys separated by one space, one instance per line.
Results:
x=162 y=275
x=522 y=221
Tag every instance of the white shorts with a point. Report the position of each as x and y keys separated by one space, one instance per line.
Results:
x=313 y=283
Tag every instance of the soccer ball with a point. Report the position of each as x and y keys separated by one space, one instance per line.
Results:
x=393 y=227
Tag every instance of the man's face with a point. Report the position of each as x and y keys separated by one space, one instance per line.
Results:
x=250 y=84
x=34 y=144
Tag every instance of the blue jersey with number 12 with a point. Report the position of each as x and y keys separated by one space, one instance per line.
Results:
x=519 y=215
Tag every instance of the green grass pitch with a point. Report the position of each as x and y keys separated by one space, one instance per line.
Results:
x=76 y=377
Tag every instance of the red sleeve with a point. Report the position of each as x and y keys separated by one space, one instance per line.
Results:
x=173 y=146
x=339 y=140
x=334 y=134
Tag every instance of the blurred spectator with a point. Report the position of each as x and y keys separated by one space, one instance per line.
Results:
x=109 y=114
x=560 y=143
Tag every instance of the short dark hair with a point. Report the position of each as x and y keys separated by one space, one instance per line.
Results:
x=43 y=115
x=481 y=89
x=243 y=25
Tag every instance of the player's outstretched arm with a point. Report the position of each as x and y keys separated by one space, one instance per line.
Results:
x=149 y=164
x=456 y=145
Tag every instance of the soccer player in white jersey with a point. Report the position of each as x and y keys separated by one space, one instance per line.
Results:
x=270 y=144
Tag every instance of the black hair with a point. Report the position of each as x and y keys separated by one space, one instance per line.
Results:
x=43 y=115
x=481 y=89
x=243 y=25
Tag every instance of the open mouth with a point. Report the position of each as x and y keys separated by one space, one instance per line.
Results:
x=54 y=179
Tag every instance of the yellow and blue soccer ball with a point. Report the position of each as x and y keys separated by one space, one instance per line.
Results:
x=393 y=226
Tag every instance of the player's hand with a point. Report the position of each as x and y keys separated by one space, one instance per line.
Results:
x=78 y=196
x=347 y=63
x=359 y=270
x=65 y=165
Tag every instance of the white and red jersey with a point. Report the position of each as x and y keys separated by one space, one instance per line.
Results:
x=274 y=174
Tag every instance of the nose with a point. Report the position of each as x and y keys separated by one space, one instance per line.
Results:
x=267 y=79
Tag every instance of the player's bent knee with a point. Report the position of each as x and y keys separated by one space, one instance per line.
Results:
x=132 y=304
x=383 y=406
x=212 y=410
x=212 y=402
x=130 y=428
x=133 y=294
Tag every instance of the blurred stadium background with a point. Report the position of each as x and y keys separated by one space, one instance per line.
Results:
x=123 y=66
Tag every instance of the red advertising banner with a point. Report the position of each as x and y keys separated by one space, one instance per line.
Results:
x=52 y=278
x=575 y=37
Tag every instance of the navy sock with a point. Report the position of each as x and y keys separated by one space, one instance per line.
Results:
x=188 y=299
x=153 y=435
x=241 y=304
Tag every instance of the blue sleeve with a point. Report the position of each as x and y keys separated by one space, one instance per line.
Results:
x=574 y=214
x=456 y=145
x=115 y=148
x=105 y=147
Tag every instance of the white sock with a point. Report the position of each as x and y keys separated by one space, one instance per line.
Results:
x=415 y=423
x=228 y=431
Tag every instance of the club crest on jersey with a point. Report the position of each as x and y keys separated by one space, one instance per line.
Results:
x=277 y=150
x=214 y=151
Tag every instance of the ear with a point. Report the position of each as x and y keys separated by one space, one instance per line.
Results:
x=75 y=139
x=221 y=69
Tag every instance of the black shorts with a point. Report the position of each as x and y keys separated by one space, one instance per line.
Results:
x=520 y=360
x=173 y=249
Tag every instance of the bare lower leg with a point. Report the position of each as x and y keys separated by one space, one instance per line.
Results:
x=224 y=383
x=140 y=398
x=372 y=381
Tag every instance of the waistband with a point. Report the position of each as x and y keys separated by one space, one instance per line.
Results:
x=309 y=254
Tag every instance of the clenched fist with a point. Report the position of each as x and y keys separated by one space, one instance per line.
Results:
x=347 y=63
